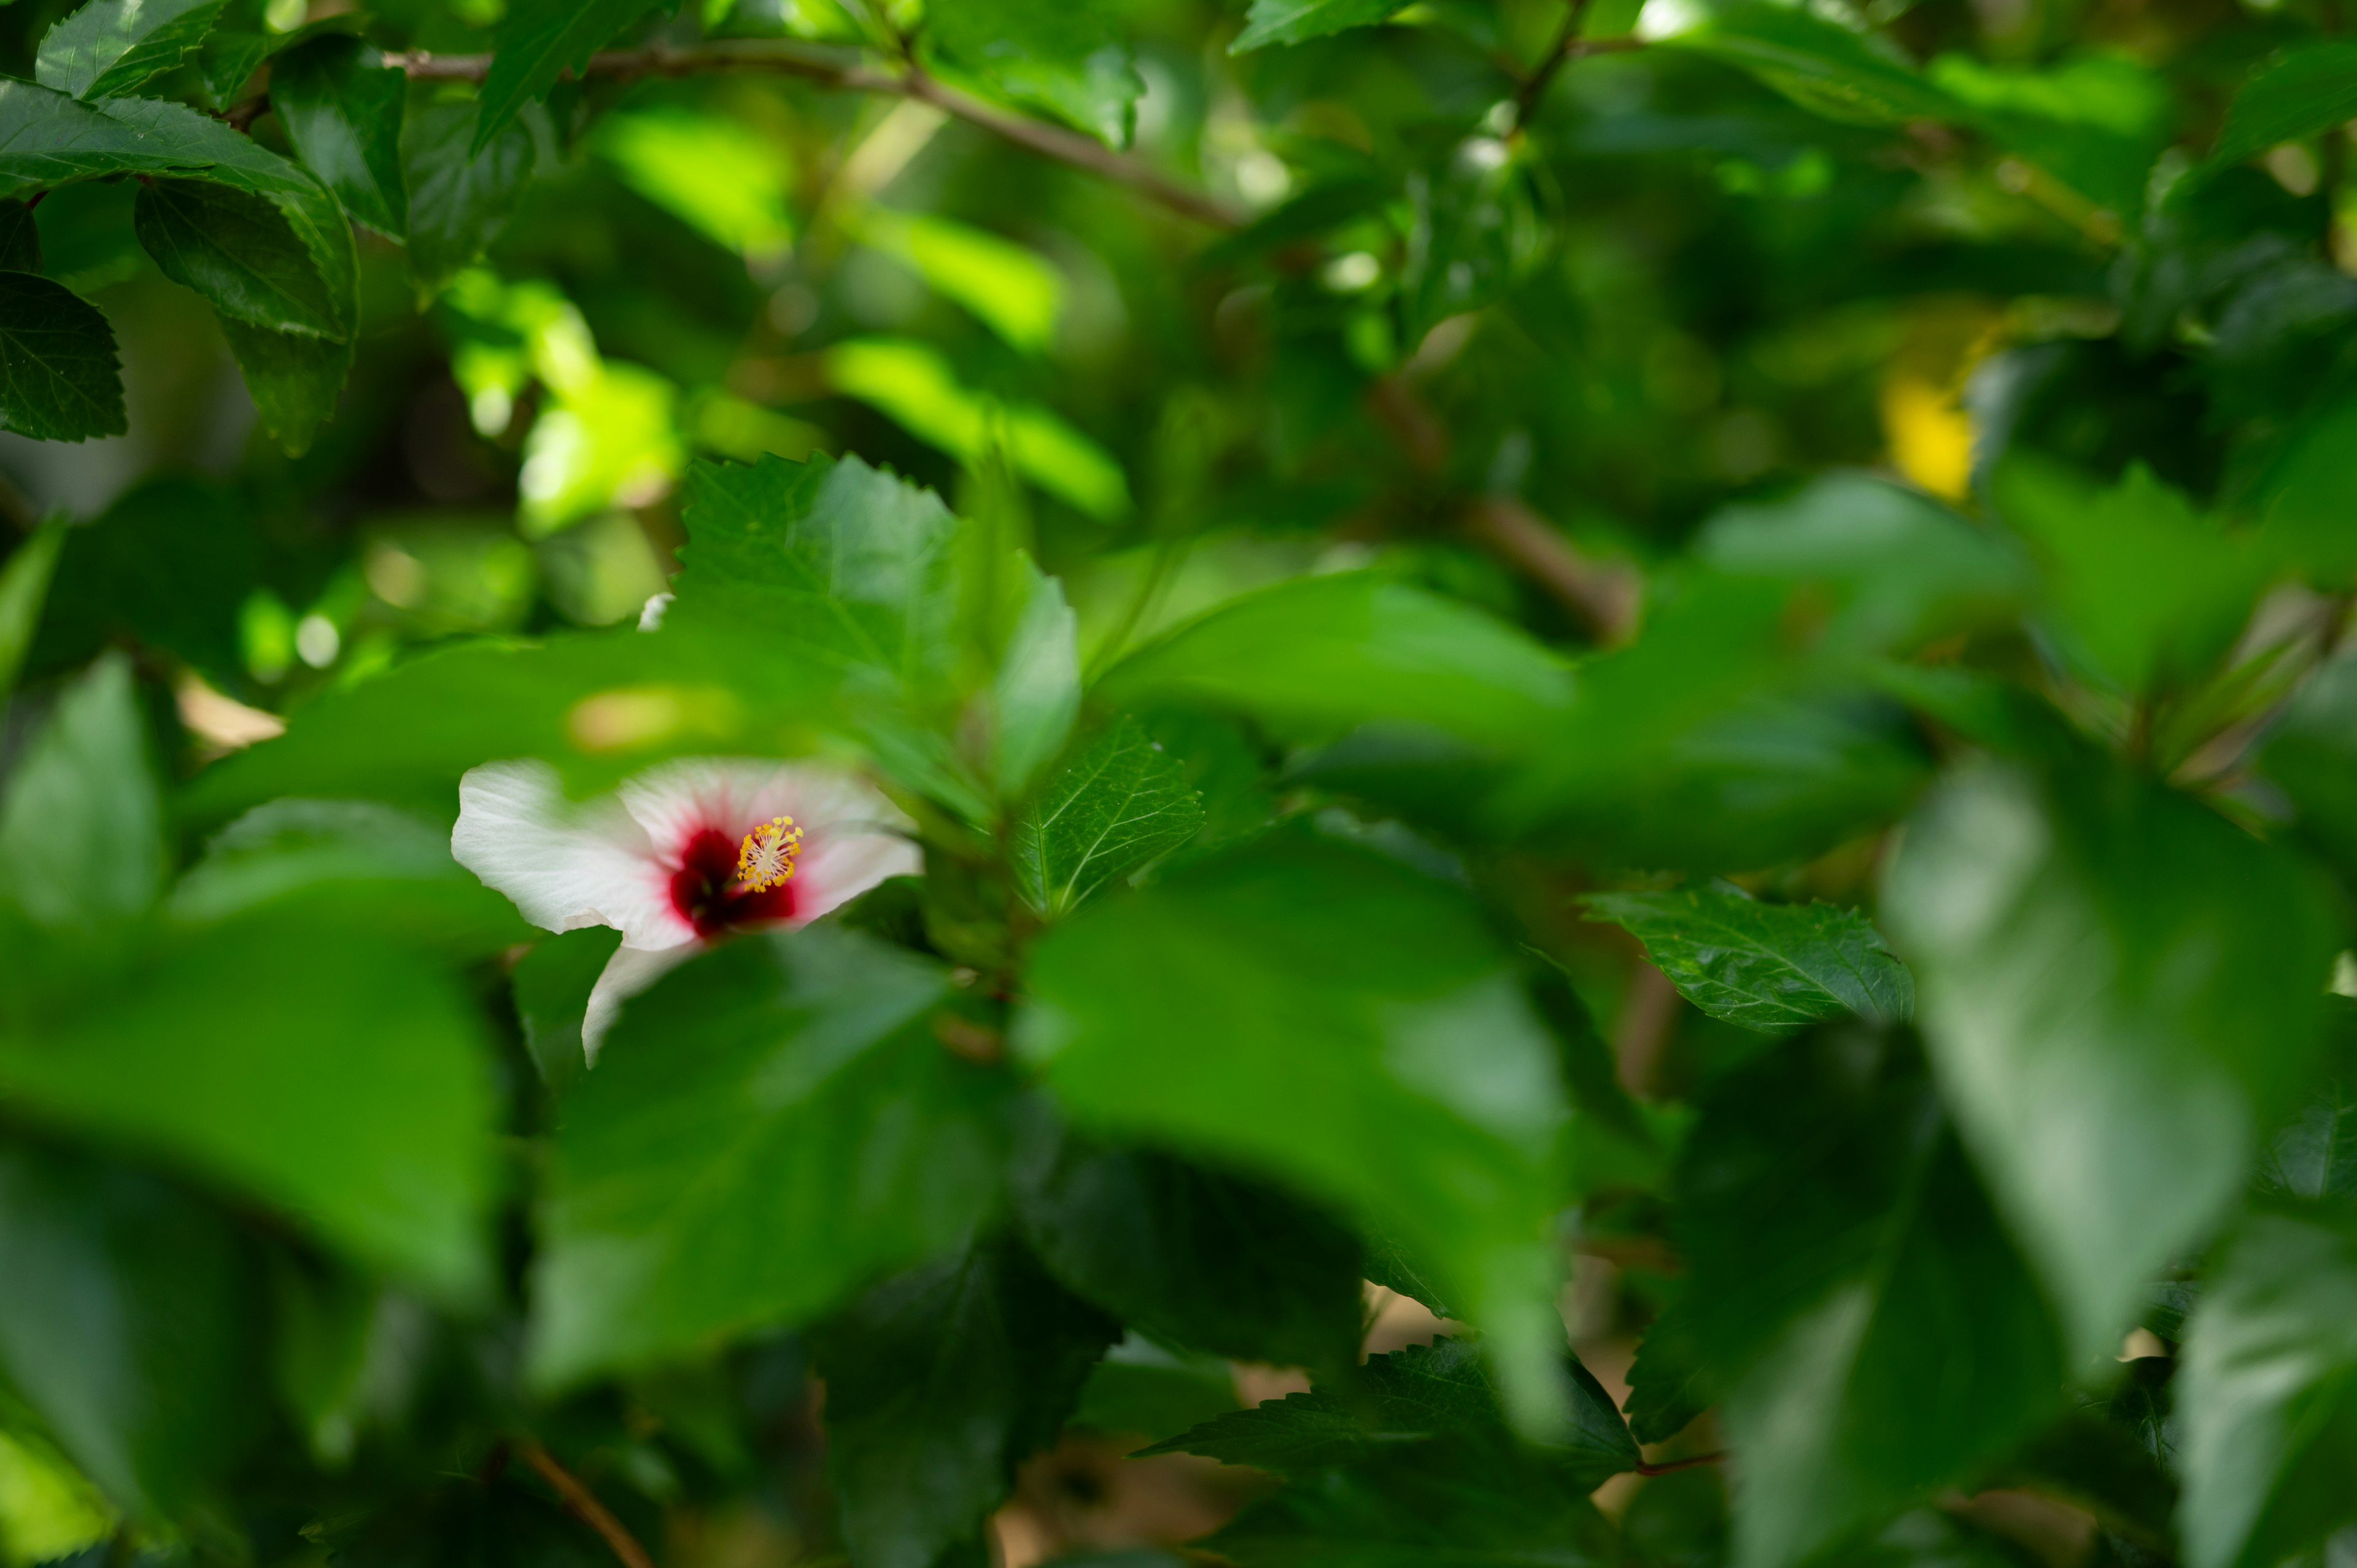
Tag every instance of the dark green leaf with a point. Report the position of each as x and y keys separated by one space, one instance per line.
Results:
x=2310 y=753
x=2268 y=1392
x=295 y=380
x=1872 y=1332
x=238 y=251
x=1122 y=804
x=58 y=377
x=230 y=58
x=459 y=200
x=111 y=47
x=1669 y=1385
x=2119 y=987
x=2315 y=1155
x=1192 y=1256
x=82 y=841
x=127 y=1324
x=538 y=41
x=938 y=1383
x=1822 y=65
x=765 y=1132
x=1332 y=1017
x=1142 y=1389
x=167 y=567
x=342 y=109
x=20 y=238
x=1069 y=59
x=2310 y=88
x=1771 y=967
x=1291 y=21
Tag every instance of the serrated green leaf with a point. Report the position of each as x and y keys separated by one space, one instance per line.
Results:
x=1330 y=1017
x=2119 y=989
x=1124 y=802
x=938 y=1382
x=238 y=251
x=81 y=844
x=111 y=47
x=58 y=377
x=764 y=1131
x=2308 y=89
x=343 y=110
x=459 y=200
x=538 y=41
x=2267 y=1393
x=1771 y=967
x=1297 y=21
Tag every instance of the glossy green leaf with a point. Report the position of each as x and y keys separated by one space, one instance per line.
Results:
x=1771 y=967
x=239 y=253
x=2268 y=1392
x=2117 y=987
x=1189 y=1255
x=538 y=42
x=111 y=47
x=459 y=198
x=343 y=110
x=1294 y=21
x=764 y=1132
x=1333 y=1018
x=1871 y=1330
x=128 y=1325
x=60 y=380
x=2310 y=88
x=81 y=842
x=938 y=1382
x=1124 y=802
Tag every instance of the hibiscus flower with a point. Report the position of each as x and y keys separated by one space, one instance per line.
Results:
x=679 y=857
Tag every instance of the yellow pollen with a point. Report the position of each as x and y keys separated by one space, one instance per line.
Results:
x=766 y=859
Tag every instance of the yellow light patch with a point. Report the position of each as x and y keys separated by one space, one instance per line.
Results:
x=766 y=858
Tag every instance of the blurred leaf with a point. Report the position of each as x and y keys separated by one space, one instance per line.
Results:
x=1296 y=1007
x=239 y=253
x=552 y=994
x=536 y=42
x=1294 y=21
x=60 y=380
x=459 y=198
x=1669 y=1385
x=2117 y=985
x=167 y=567
x=111 y=47
x=715 y=173
x=2268 y=1391
x=1771 y=967
x=2308 y=89
x=1821 y=65
x=1036 y=695
x=1189 y=1255
x=81 y=842
x=1067 y=59
x=2305 y=527
x=2314 y=1155
x=128 y=1325
x=20 y=238
x=24 y=589
x=295 y=380
x=1140 y=1387
x=1013 y=290
x=1871 y=1329
x=938 y=1382
x=208 y=1052
x=1122 y=803
x=765 y=1132
x=48 y=1509
x=2310 y=754
x=341 y=107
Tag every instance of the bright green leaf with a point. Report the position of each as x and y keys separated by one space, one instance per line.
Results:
x=1036 y=695
x=1011 y=288
x=1771 y=967
x=1294 y=21
x=1125 y=802
x=111 y=47
x=1822 y=65
x=716 y=173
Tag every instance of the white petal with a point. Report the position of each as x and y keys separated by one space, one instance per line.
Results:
x=852 y=837
x=839 y=866
x=566 y=866
x=628 y=972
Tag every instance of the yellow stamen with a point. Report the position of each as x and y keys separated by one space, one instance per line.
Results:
x=766 y=859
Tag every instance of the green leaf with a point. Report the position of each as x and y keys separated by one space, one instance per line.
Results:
x=459 y=198
x=1068 y=59
x=1329 y=1017
x=538 y=41
x=1142 y=1389
x=765 y=1132
x=1294 y=21
x=128 y=1325
x=58 y=377
x=1874 y=1333
x=938 y=1382
x=295 y=380
x=167 y=567
x=2310 y=88
x=1036 y=695
x=227 y=60
x=1012 y=288
x=1313 y=657
x=206 y=1052
x=24 y=588
x=81 y=839
x=2267 y=1393
x=2315 y=1154
x=111 y=47
x=552 y=996
x=1771 y=967
x=1821 y=66
x=2310 y=754
x=238 y=251
x=1193 y=1256
x=20 y=238
x=343 y=110
x=1122 y=803
x=2119 y=988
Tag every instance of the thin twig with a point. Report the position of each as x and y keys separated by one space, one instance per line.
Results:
x=1534 y=86
x=1666 y=1466
x=1054 y=142
x=1604 y=597
x=583 y=1504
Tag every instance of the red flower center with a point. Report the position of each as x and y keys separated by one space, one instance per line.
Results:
x=706 y=892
